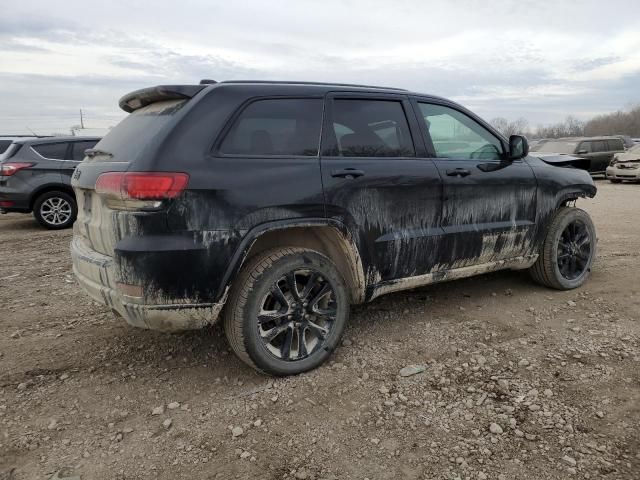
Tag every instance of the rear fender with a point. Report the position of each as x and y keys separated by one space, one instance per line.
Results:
x=268 y=235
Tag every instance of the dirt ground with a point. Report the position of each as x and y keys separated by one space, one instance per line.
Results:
x=558 y=373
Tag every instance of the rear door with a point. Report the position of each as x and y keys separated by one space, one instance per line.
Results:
x=599 y=156
x=377 y=182
x=74 y=156
x=51 y=158
x=489 y=203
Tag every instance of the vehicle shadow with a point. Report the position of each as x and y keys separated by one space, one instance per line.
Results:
x=16 y=221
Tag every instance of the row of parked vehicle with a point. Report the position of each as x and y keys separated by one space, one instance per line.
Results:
x=35 y=176
x=616 y=157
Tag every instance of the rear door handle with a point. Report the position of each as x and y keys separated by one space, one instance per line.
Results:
x=348 y=173
x=458 y=172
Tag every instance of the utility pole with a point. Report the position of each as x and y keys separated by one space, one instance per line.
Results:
x=81 y=120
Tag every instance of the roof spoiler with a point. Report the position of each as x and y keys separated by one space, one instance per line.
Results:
x=146 y=96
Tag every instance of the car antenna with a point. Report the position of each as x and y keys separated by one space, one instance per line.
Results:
x=34 y=133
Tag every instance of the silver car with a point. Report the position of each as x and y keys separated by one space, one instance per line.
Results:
x=625 y=166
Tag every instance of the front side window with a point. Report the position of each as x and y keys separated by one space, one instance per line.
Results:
x=54 y=151
x=276 y=127
x=585 y=147
x=455 y=135
x=370 y=128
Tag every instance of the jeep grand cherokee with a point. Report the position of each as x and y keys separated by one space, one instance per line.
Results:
x=277 y=205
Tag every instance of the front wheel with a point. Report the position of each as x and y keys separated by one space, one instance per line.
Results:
x=568 y=250
x=55 y=210
x=614 y=180
x=286 y=311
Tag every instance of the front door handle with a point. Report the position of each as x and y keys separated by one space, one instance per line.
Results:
x=348 y=173
x=458 y=172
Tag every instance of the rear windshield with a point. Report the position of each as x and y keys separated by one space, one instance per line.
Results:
x=132 y=135
x=558 y=147
x=4 y=144
x=10 y=151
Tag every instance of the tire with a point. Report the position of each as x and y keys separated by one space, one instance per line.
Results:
x=613 y=180
x=253 y=292
x=558 y=253
x=55 y=210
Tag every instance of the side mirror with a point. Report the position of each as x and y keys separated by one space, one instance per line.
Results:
x=582 y=152
x=518 y=147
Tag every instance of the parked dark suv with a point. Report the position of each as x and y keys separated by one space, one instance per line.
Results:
x=599 y=151
x=35 y=176
x=281 y=204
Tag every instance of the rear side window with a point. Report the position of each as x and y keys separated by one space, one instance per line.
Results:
x=276 y=127
x=370 y=128
x=54 y=151
x=615 y=145
x=80 y=147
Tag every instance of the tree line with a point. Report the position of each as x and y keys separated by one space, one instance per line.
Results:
x=617 y=123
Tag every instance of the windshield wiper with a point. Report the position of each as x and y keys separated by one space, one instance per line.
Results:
x=92 y=152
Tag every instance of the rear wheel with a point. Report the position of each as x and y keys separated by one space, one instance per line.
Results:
x=286 y=311
x=568 y=250
x=55 y=210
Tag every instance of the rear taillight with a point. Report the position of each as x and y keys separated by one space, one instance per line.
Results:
x=141 y=185
x=10 y=168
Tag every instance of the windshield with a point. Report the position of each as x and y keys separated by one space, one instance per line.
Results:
x=558 y=147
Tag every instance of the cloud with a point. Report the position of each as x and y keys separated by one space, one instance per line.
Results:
x=539 y=59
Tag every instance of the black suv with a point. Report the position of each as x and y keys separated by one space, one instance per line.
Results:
x=596 y=151
x=281 y=204
x=35 y=176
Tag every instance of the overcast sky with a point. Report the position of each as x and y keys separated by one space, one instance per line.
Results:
x=538 y=59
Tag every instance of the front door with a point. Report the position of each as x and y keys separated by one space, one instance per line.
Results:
x=376 y=183
x=489 y=202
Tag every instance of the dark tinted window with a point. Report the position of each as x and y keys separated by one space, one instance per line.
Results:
x=615 y=145
x=4 y=144
x=599 y=146
x=80 y=147
x=370 y=128
x=138 y=130
x=55 y=151
x=276 y=127
x=585 y=147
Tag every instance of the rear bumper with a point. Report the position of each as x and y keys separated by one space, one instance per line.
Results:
x=96 y=274
x=623 y=173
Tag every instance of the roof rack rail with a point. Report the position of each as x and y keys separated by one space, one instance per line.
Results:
x=207 y=81
x=328 y=84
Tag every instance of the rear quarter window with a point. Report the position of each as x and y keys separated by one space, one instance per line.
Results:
x=53 y=151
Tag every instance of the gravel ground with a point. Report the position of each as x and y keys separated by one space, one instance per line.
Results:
x=521 y=382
